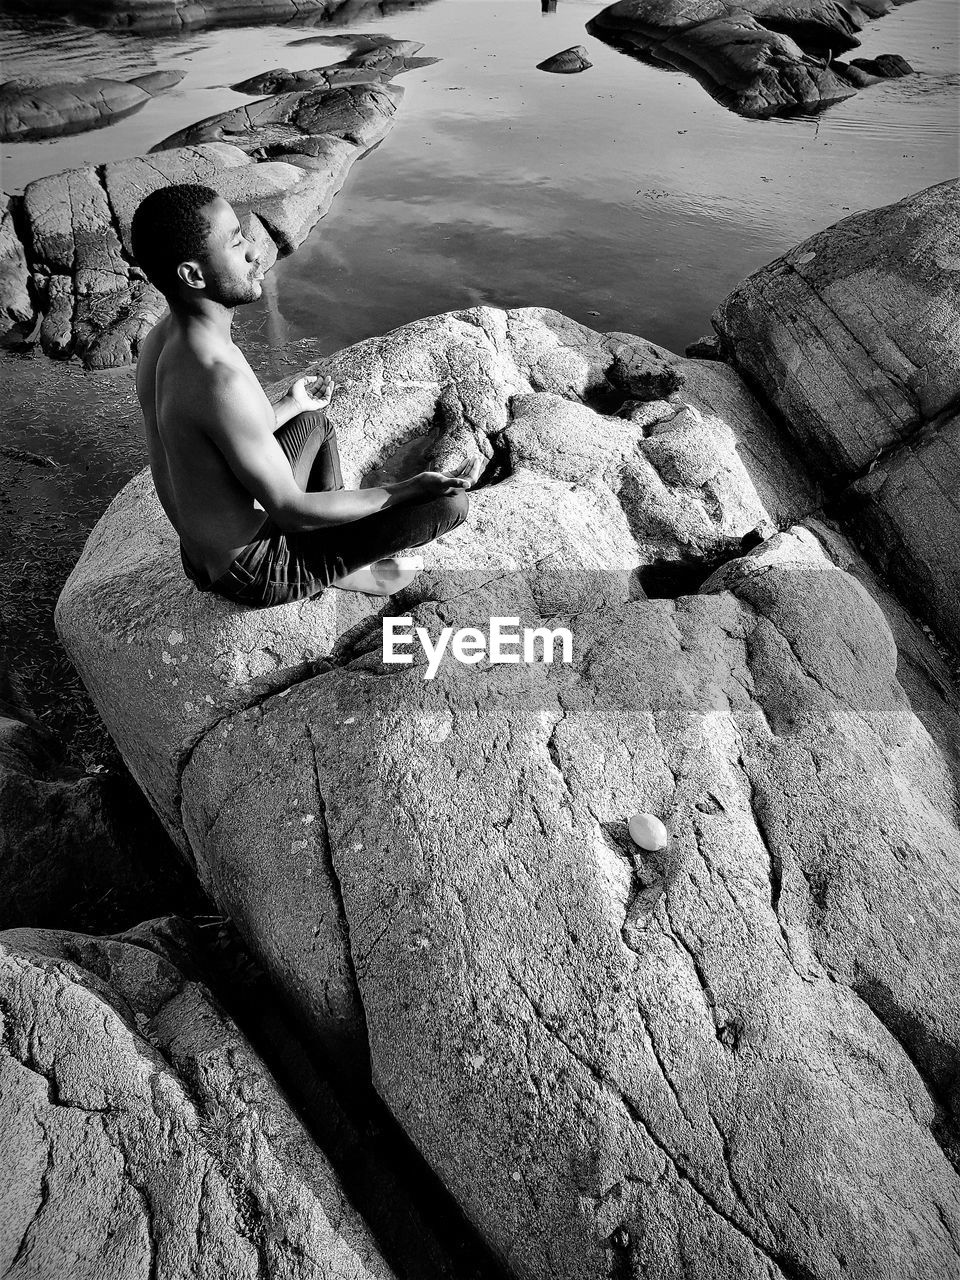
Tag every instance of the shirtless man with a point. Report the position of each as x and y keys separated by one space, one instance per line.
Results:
x=255 y=492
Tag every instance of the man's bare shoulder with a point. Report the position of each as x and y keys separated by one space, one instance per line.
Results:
x=205 y=386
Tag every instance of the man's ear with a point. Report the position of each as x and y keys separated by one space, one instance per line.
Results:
x=191 y=273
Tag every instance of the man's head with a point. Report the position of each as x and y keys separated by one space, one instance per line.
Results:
x=188 y=242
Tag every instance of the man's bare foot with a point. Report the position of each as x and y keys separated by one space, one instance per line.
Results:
x=383 y=577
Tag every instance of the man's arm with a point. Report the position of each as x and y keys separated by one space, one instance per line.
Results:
x=240 y=426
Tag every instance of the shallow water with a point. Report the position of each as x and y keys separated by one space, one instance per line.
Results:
x=624 y=196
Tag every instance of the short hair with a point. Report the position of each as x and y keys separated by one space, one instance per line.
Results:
x=170 y=227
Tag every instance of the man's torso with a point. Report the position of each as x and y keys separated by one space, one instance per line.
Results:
x=211 y=511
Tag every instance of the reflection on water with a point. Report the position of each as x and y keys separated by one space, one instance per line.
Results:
x=624 y=196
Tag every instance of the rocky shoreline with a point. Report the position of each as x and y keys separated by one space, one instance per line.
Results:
x=567 y=1031
x=67 y=277
x=427 y=1011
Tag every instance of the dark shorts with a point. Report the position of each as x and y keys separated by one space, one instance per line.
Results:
x=277 y=567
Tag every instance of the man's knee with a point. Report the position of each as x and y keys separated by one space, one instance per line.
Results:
x=316 y=421
x=455 y=509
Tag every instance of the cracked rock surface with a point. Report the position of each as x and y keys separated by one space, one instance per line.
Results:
x=141 y=1135
x=701 y=1063
x=283 y=161
x=758 y=57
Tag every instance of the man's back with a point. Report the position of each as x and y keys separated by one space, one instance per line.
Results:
x=186 y=382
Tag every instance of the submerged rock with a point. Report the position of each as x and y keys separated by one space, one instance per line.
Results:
x=44 y=108
x=888 y=66
x=371 y=63
x=567 y=62
x=758 y=57
x=145 y=1133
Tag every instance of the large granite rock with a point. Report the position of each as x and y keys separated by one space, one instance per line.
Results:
x=95 y=303
x=759 y=57
x=621 y=1062
x=854 y=338
x=141 y=1135
x=673 y=486
x=47 y=107
x=854 y=334
x=905 y=510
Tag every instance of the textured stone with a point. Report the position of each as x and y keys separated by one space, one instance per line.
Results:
x=179 y=651
x=16 y=309
x=367 y=64
x=614 y=1059
x=142 y=1135
x=43 y=108
x=758 y=57
x=905 y=510
x=357 y=113
x=854 y=335
x=567 y=61
x=618 y=1063
x=888 y=66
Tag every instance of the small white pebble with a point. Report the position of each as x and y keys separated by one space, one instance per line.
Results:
x=647 y=831
x=351 y=720
x=175 y=638
x=307 y=819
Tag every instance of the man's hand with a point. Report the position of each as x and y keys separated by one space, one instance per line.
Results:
x=436 y=484
x=306 y=401
x=300 y=399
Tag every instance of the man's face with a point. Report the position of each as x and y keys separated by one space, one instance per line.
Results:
x=231 y=269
